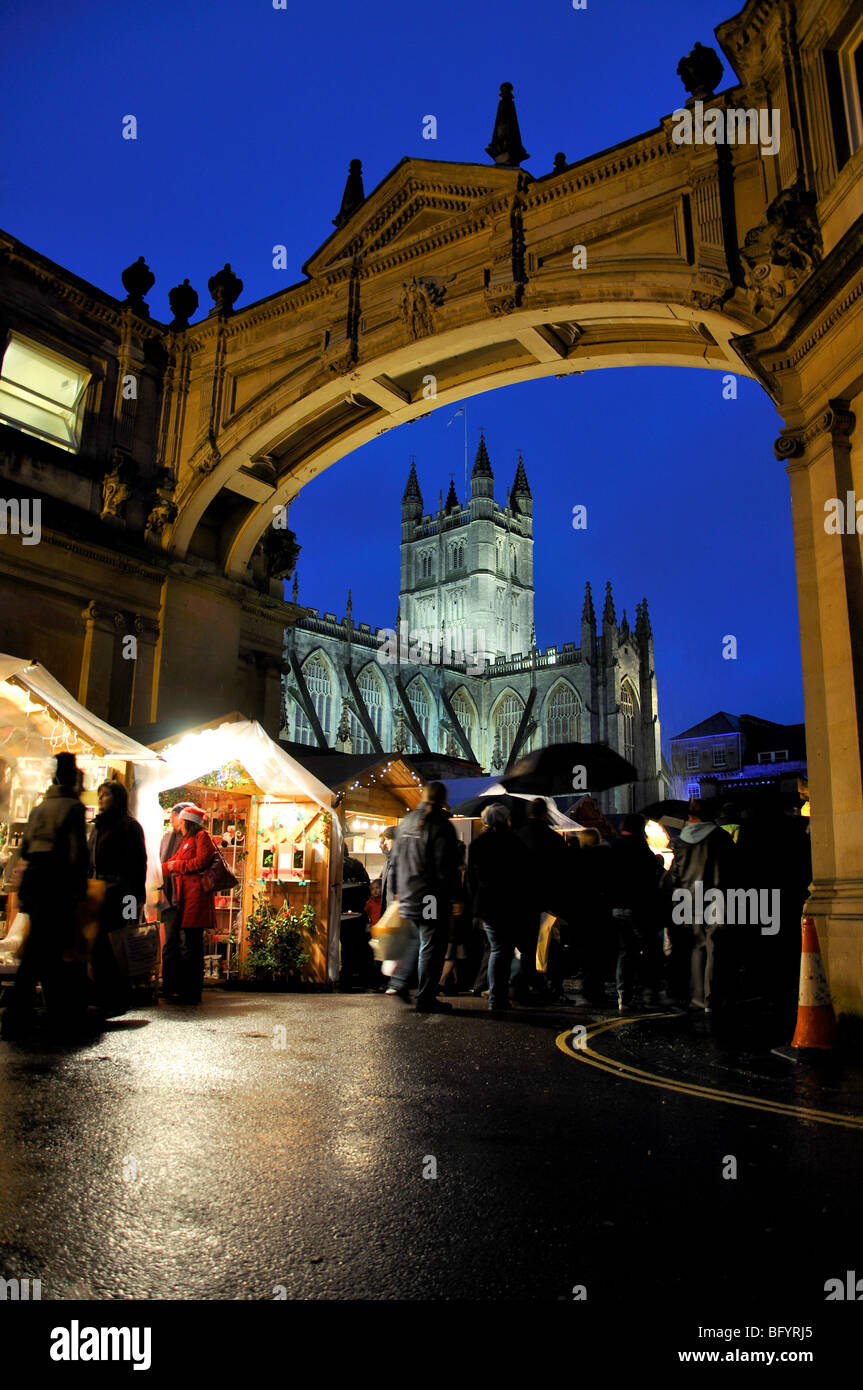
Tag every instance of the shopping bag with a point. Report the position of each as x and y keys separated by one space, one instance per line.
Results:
x=390 y=935
x=13 y=942
x=549 y=929
x=136 y=948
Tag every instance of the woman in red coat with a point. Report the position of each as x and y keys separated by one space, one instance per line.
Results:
x=196 y=912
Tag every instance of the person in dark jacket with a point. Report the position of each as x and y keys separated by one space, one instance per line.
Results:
x=53 y=883
x=498 y=865
x=196 y=911
x=356 y=956
x=593 y=934
x=388 y=842
x=550 y=889
x=118 y=856
x=427 y=887
x=171 y=955
x=703 y=855
x=636 y=909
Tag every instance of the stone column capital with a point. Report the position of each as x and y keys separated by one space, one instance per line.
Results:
x=98 y=614
x=836 y=420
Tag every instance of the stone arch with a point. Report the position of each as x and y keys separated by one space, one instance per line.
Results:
x=630 y=709
x=466 y=710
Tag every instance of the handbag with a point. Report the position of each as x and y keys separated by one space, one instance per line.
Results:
x=218 y=877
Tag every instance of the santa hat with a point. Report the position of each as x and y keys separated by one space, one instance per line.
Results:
x=196 y=814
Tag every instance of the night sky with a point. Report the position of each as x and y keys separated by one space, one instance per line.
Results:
x=247 y=119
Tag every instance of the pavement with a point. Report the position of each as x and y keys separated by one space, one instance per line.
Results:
x=332 y=1146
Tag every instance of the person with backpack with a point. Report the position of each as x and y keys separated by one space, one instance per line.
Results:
x=196 y=912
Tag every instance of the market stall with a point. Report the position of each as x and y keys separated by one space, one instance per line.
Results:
x=39 y=718
x=375 y=792
x=273 y=821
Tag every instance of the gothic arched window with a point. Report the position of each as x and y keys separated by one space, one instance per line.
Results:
x=319 y=681
x=372 y=690
x=628 y=707
x=563 y=715
x=420 y=703
x=465 y=714
x=514 y=555
x=507 y=718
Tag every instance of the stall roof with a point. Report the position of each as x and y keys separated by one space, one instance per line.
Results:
x=342 y=771
x=16 y=671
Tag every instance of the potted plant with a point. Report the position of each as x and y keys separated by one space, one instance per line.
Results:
x=276 y=938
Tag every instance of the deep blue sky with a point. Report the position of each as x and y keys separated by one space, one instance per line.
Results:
x=247 y=118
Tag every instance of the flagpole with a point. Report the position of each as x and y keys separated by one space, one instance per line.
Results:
x=465 y=455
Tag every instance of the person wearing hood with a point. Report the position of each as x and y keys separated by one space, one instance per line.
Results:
x=196 y=911
x=704 y=854
x=53 y=883
x=427 y=885
x=118 y=856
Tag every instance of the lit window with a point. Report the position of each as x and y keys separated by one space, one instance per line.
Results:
x=627 y=709
x=719 y=757
x=563 y=716
x=692 y=760
x=506 y=723
x=42 y=394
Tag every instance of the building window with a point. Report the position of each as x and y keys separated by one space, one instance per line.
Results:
x=692 y=760
x=514 y=564
x=627 y=709
x=456 y=557
x=419 y=702
x=506 y=721
x=720 y=758
x=463 y=711
x=780 y=755
x=42 y=393
x=319 y=683
x=563 y=716
x=843 y=71
x=372 y=691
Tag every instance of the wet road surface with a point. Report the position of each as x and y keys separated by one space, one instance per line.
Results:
x=187 y=1154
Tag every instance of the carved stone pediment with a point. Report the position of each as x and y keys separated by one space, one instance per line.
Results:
x=414 y=205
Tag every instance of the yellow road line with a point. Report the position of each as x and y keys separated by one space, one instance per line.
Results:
x=581 y=1053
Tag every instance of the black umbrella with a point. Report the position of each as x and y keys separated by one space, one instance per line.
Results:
x=475 y=805
x=551 y=771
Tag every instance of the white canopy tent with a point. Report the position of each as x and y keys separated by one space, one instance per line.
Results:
x=41 y=690
x=274 y=771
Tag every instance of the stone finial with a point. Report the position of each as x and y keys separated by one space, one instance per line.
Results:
x=354 y=194
x=482 y=463
x=349 y=609
x=412 y=486
x=609 y=617
x=506 y=147
x=451 y=502
x=587 y=613
x=645 y=617
x=520 y=483
x=138 y=279
x=700 y=72
x=295 y=590
x=225 y=288
x=624 y=625
x=183 y=300
x=559 y=162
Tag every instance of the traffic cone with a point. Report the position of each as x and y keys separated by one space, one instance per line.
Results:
x=816 y=1021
